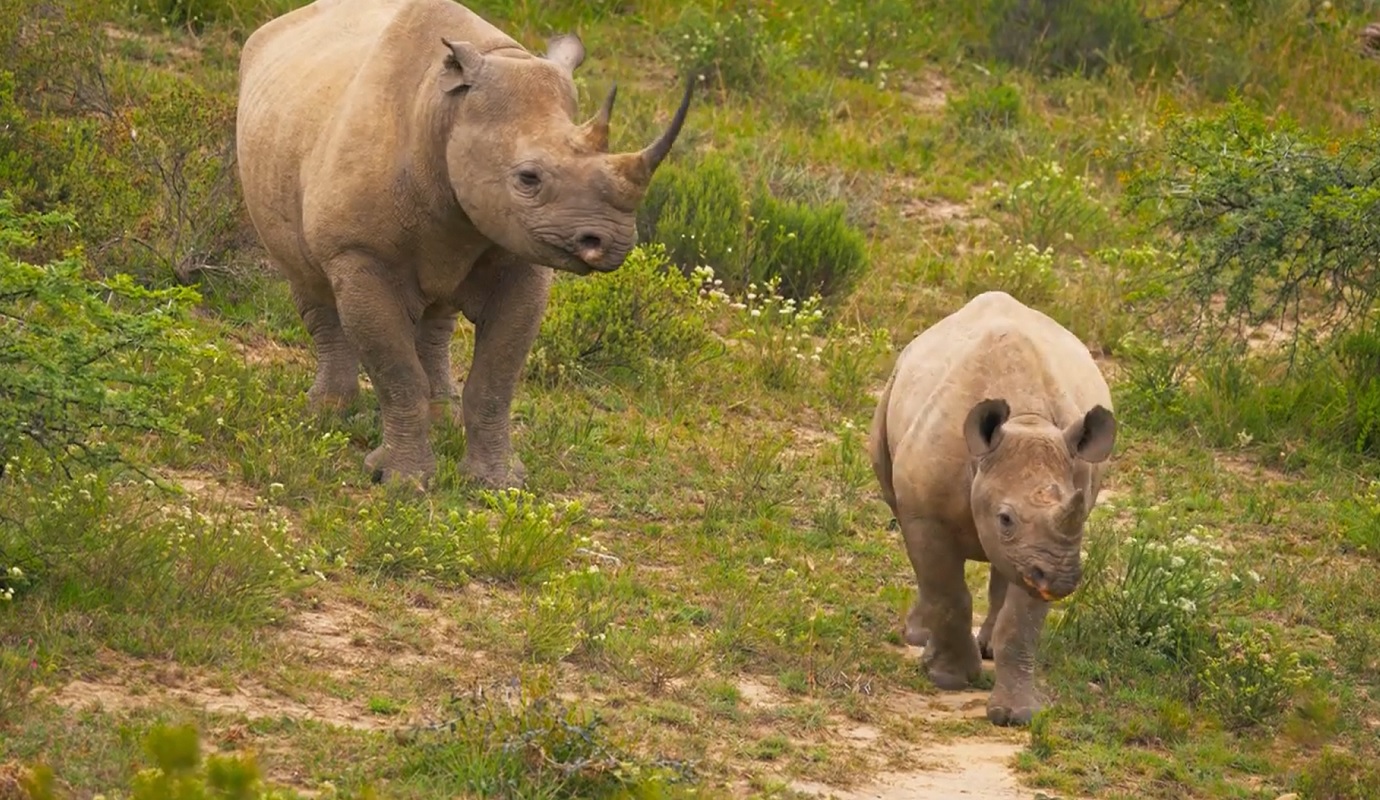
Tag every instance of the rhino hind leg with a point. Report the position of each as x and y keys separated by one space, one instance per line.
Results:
x=434 y=333
x=943 y=607
x=996 y=597
x=382 y=332
x=337 y=363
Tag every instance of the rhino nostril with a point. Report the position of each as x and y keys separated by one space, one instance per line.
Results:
x=1036 y=577
x=589 y=242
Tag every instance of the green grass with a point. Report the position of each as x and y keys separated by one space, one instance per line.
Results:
x=701 y=558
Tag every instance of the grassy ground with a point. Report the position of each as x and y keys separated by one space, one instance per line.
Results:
x=703 y=559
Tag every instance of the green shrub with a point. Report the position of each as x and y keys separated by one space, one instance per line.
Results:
x=142 y=156
x=729 y=50
x=1148 y=594
x=1069 y=35
x=698 y=212
x=1051 y=208
x=633 y=322
x=864 y=39
x=81 y=361
x=1248 y=679
x=519 y=739
x=1271 y=222
x=515 y=539
x=986 y=108
x=810 y=250
x=179 y=772
x=1336 y=774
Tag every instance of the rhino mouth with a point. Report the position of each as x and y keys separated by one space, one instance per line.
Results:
x=1041 y=586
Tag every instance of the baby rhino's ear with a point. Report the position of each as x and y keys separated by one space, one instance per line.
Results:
x=567 y=50
x=982 y=429
x=463 y=64
x=1092 y=437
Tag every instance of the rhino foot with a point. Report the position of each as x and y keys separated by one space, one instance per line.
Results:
x=329 y=401
x=512 y=475
x=984 y=642
x=387 y=466
x=1016 y=713
x=952 y=671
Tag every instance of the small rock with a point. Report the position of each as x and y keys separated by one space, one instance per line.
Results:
x=1095 y=688
x=1290 y=796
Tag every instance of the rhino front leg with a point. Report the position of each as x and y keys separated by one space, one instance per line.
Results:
x=434 y=333
x=382 y=330
x=996 y=596
x=944 y=607
x=506 y=303
x=1014 y=700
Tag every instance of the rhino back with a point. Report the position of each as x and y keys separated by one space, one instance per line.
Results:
x=992 y=347
x=329 y=100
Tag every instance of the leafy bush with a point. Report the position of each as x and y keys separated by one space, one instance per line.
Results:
x=520 y=739
x=1069 y=35
x=1149 y=594
x=986 y=108
x=142 y=156
x=80 y=359
x=810 y=250
x=179 y=772
x=515 y=539
x=730 y=50
x=1338 y=775
x=635 y=321
x=1272 y=222
x=863 y=39
x=700 y=214
x=1248 y=679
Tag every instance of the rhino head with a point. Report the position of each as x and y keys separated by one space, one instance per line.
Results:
x=1029 y=493
x=531 y=178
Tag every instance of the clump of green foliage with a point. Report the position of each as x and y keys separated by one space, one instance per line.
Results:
x=143 y=157
x=180 y=772
x=1338 y=775
x=729 y=50
x=987 y=107
x=1273 y=231
x=517 y=738
x=704 y=216
x=1248 y=679
x=636 y=322
x=81 y=360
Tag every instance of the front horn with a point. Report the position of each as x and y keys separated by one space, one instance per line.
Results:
x=654 y=153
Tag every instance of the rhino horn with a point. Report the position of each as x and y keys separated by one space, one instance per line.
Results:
x=638 y=167
x=596 y=131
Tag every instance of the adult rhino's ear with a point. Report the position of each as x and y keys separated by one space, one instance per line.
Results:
x=982 y=430
x=1091 y=438
x=566 y=50
x=463 y=64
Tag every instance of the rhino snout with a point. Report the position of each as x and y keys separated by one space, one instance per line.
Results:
x=599 y=251
x=1051 y=584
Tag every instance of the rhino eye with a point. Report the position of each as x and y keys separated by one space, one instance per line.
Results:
x=1005 y=521
x=529 y=179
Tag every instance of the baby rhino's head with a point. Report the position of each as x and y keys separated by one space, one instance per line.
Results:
x=1029 y=495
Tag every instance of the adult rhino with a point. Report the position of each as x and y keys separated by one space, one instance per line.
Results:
x=989 y=443
x=404 y=161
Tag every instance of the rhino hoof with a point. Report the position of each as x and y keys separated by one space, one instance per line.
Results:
x=1006 y=716
x=384 y=467
x=514 y=476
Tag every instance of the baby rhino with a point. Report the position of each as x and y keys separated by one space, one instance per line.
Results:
x=989 y=442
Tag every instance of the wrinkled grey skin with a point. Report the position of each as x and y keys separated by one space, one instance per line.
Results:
x=989 y=443
x=404 y=161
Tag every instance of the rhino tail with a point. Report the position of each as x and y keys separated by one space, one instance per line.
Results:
x=879 y=450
